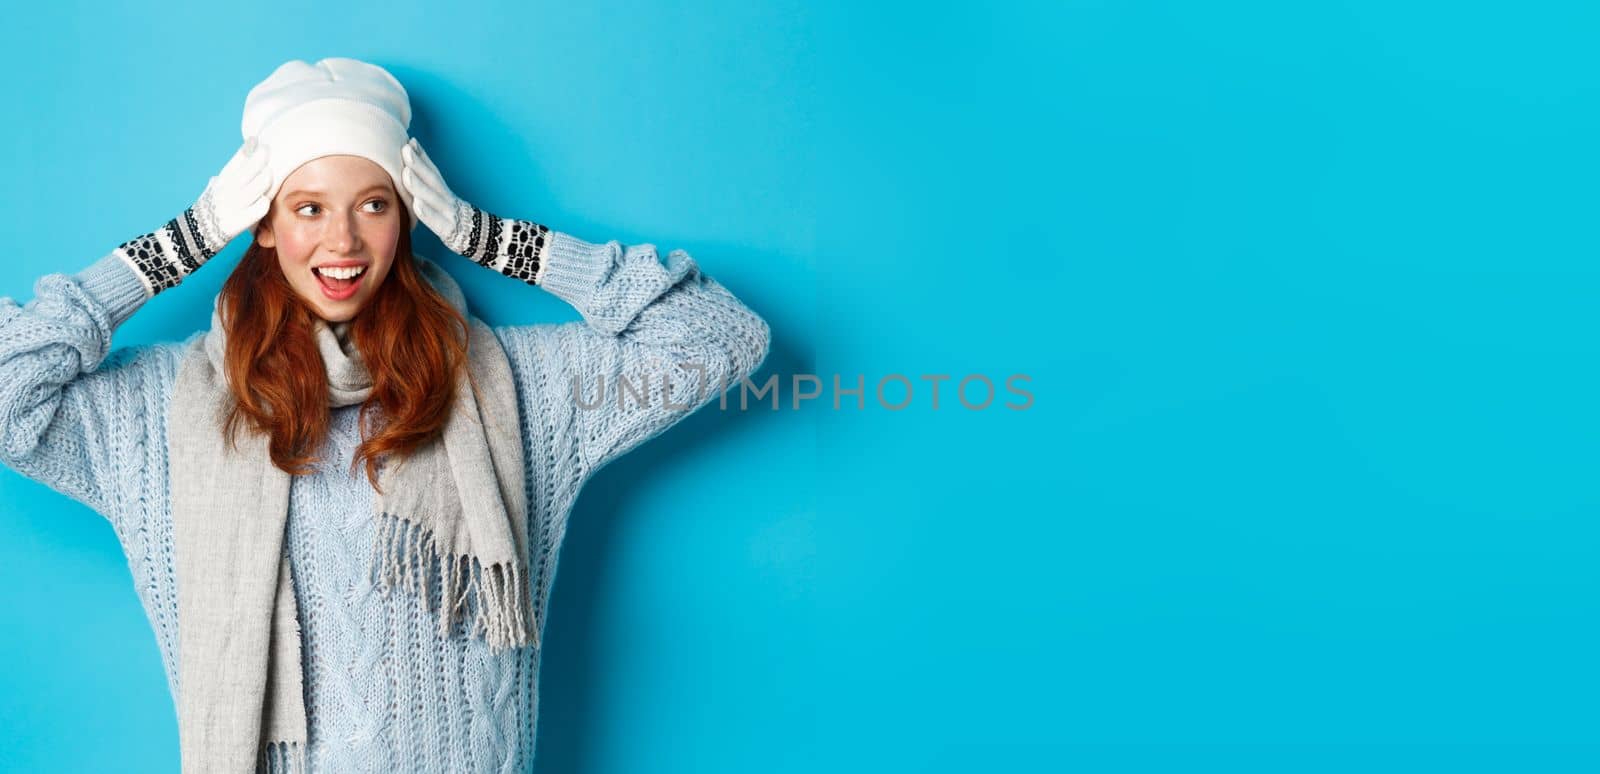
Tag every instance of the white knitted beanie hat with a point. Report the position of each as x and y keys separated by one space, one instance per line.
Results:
x=337 y=106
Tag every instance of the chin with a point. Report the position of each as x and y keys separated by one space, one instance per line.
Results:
x=341 y=313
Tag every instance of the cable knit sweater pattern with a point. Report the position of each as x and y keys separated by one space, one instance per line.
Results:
x=384 y=692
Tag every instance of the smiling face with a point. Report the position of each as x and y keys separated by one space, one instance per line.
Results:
x=335 y=213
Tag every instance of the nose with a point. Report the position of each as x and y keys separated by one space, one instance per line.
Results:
x=342 y=236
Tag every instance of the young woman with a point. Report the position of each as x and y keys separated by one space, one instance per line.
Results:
x=343 y=503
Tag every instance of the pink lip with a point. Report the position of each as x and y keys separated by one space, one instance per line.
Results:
x=340 y=264
x=340 y=295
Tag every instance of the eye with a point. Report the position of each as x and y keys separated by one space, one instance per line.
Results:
x=303 y=206
x=383 y=206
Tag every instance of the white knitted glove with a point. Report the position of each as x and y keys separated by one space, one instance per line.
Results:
x=515 y=248
x=234 y=200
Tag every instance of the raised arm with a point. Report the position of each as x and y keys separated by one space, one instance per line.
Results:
x=71 y=410
x=648 y=323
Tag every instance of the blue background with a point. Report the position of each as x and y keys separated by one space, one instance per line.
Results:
x=1304 y=291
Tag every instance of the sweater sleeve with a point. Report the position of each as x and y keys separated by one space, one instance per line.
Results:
x=66 y=401
x=660 y=326
x=659 y=339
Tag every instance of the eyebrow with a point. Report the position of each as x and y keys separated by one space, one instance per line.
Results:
x=304 y=192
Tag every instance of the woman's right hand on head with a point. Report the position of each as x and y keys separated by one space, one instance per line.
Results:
x=233 y=200
x=237 y=197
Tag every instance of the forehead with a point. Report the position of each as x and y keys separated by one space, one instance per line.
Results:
x=335 y=175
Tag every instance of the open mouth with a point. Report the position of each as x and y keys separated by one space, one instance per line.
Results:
x=339 y=284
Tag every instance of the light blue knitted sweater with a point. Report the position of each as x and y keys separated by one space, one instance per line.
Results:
x=384 y=692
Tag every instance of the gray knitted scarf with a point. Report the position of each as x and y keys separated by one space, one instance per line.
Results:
x=456 y=509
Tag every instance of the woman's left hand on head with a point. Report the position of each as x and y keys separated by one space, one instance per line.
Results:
x=433 y=203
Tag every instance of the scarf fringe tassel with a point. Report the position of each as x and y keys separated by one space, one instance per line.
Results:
x=497 y=592
x=283 y=758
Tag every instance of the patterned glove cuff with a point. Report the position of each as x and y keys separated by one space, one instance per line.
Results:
x=162 y=258
x=515 y=248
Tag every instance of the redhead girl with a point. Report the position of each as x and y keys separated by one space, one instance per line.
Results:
x=343 y=503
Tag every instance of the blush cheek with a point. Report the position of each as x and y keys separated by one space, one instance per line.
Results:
x=295 y=249
x=294 y=257
x=383 y=242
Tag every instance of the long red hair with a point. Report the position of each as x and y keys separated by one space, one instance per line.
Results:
x=412 y=339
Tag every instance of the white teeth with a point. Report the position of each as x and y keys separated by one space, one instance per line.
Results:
x=341 y=273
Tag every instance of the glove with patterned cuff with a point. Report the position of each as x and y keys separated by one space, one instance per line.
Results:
x=233 y=201
x=515 y=248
